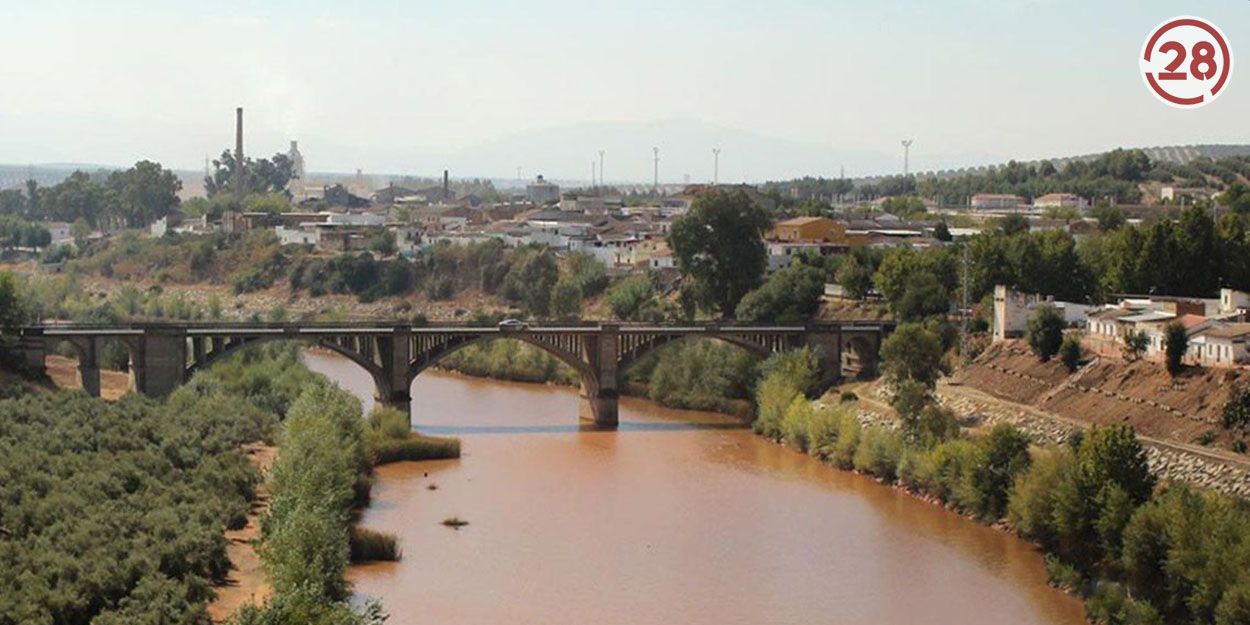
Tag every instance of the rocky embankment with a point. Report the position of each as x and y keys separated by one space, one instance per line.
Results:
x=1169 y=460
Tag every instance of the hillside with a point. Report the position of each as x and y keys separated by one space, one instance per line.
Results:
x=1184 y=409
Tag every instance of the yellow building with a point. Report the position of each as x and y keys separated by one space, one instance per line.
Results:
x=810 y=229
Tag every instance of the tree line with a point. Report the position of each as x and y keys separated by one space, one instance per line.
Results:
x=129 y=198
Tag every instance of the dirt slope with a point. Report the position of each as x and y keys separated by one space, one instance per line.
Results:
x=1105 y=391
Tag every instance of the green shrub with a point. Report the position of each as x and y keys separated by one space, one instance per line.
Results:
x=822 y=430
x=1031 y=501
x=773 y=398
x=1070 y=352
x=915 y=469
x=796 y=421
x=1063 y=575
x=1110 y=603
x=951 y=467
x=879 y=452
x=1006 y=456
x=368 y=545
x=414 y=447
x=849 y=434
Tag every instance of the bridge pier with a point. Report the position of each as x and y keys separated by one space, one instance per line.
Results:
x=89 y=367
x=601 y=408
x=395 y=383
x=160 y=361
x=600 y=397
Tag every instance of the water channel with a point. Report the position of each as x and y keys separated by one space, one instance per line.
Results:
x=677 y=517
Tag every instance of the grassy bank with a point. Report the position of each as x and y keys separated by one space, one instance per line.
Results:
x=1139 y=553
x=320 y=480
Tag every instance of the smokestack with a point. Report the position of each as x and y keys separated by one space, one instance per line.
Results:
x=238 y=157
x=446 y=187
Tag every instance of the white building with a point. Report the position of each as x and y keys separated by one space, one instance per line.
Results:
x=1221 y=345
x=1012 y=310
x=1061 y=200
x=298 y=235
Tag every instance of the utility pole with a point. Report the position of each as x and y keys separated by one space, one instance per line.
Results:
x=963 y=332
x=655 y=180
x=906 y=154
x=715 y=166
x=601 y=168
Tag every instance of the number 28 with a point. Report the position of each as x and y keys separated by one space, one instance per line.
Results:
x=1202 y=67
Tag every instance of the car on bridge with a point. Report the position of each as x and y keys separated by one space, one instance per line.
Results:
x=513 y=325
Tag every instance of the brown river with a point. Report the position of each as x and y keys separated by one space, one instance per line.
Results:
x=678 y=517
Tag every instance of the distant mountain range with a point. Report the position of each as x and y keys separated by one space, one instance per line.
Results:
x=628 y=158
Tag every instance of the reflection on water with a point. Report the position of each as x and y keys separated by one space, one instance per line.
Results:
x=677 y=517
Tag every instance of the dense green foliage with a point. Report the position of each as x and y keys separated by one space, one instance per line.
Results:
x=1070 y=352
x=1175 y=344
x=509 y=359
x=791 y=295
x=719 y=244
x=912 y=353
x=17 y=232
x=130 y=198
x=1044 y=331
x=115 y=511
x=697 y=375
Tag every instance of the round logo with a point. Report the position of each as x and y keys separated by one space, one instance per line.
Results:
x=1186 y=62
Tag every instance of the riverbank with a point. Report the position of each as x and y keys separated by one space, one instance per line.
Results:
x=246 y=583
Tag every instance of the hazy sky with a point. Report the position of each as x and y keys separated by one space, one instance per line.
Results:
x=401 y=86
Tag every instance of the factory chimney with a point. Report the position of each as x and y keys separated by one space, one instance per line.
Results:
x=446 y=187
x=238 y=158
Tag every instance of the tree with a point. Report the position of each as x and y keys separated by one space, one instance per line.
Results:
x=144 y=193
x=566 y=299
x=912 y=353
x=260 y=175
x=1175 y=344
x=1236 y=411
x=854 y=278
x=1044 y=332
x=1070 y=352
x=720 y=243
x=1110 y=459
x=1013 y=224
x=529 y=281
x=1135 y=343
x=1109 y=218
x=1006 y=456
x=790 y=295
x=382 y=241
x=12 y=310
x=942 y=233
x=633 y=299
x=923 y=297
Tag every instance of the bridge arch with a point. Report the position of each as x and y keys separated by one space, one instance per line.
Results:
x=231 y=347
x=636 y=354
x=859 y=357
x=428 y=358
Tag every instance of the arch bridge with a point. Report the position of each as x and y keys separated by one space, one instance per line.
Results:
x=163 y=356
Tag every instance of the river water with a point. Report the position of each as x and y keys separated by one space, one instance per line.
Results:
x=678 y=517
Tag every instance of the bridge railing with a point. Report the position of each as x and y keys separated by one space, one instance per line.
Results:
x=226 y=326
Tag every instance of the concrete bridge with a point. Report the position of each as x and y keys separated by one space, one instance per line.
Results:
x=163 y=356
